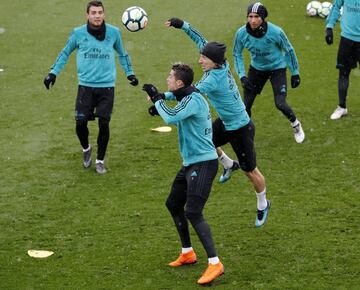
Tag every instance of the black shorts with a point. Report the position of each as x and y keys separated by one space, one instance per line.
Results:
x=192 y=186
x=241 y=140
x=348 y=54
x=277 y=78
x=91 y=102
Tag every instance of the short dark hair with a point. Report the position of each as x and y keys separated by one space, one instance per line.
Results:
x=183 y=72
x=94 y=3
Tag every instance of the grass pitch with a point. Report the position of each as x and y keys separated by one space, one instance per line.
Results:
x=113 y=231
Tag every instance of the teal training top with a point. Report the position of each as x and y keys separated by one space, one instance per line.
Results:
x=271 y=52
x=350 y=20
x=95 y=59
x=220 y=87
x=193 y=120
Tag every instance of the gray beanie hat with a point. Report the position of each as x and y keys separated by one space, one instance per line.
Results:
x=215 y=51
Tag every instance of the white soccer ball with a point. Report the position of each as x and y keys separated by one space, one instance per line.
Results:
x=313 y=8
x=325 y=9
x=134 y=18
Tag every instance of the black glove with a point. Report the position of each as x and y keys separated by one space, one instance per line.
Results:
x=295 y=81
x=152 y=111
x=49 y=79
x=150 y=89
x=157 y=97
x=329 y=36
x=176 y=22
x=133 y=80
x=153 y=93
x=246 y=84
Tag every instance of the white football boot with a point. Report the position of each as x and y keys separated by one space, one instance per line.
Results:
x=299 y=133
x=338 y=113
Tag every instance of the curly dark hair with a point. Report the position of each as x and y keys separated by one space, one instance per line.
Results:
x=183 y=72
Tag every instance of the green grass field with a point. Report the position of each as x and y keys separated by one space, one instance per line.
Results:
x=114 y=231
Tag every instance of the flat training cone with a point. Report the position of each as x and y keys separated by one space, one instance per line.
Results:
x=39 y=253
x=164 y=129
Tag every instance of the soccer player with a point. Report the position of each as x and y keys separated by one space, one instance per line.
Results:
x=270 y=52
x=192 y=185
x=349 y=47
x=95 y=43
x=233 y=125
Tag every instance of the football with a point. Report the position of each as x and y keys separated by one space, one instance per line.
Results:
x=134 y=18
x=325 y=9
x=313 y=8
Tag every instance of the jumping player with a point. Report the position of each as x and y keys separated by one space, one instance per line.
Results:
x=233 y=125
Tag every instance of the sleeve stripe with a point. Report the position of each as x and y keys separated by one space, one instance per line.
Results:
x=193 y=30
x=181 y=106
x=290 y=51
x=204 y=77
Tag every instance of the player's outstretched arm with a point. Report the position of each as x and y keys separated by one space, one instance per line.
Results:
x=194 y=35
x=175 y=22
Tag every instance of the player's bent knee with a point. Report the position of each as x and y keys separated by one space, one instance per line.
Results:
x=172 y=207
x=254 y=173
x=280 y=102
x=194 y=217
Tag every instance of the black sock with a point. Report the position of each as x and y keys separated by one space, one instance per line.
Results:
x=203 y=231
x=103 y=138
x=343 y=85
x=82 y=132
x=182 y=227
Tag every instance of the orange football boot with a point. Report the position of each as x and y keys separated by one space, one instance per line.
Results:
x=184 y=259
x=212 y=272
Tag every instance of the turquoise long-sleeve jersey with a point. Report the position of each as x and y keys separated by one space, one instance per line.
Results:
x=270 y=52
x=350 y=20
x=193 y=120
x=95 y=59
x=220 y=87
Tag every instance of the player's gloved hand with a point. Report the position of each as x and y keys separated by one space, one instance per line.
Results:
x=176 y=22
x=152 y=111
x=49 y=80
x=295 y=81
x=246 y=84
x=133 y=80
x=329 y=36
x=153 y=93
x=150 y=89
